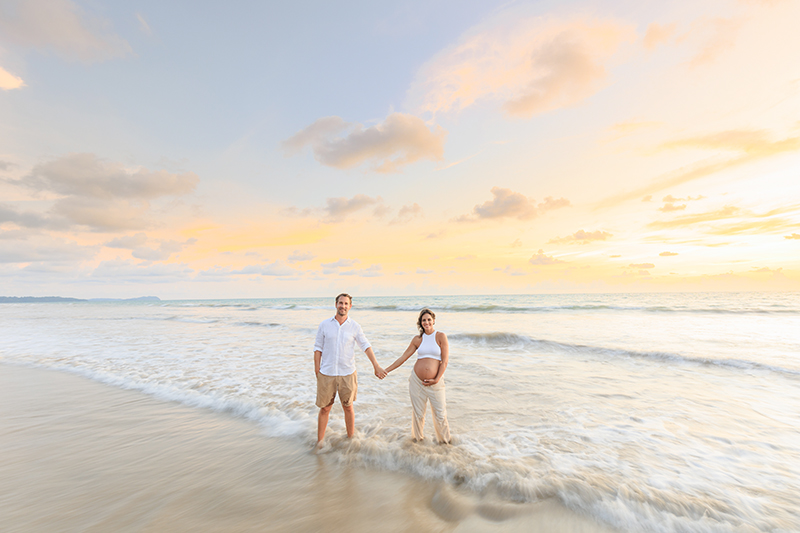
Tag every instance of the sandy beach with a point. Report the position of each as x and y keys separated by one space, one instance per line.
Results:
x=76 y=455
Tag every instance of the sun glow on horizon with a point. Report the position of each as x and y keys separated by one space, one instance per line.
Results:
x=571 y=148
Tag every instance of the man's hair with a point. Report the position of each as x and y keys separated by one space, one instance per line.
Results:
x=346 y=295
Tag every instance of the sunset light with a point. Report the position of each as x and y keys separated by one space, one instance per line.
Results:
x=569 y=147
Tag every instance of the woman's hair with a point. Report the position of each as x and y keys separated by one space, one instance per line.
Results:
x=422 y=313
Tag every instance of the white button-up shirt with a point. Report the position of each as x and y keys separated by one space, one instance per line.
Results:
x=336 y=344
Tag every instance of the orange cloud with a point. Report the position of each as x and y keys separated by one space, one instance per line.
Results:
x=63 y=26
x=581 y=237
x=539 y=258
x=338 y=208
x=530 y=65
x=657 y=34
x=719 y=35
x=754 y=145
x=400 y=140
x=728 y=211
x=755 y=226
x=406 y=213
x=509 y=204
x=102 y=195
x=666 y=208
x=8 y=81
x=768 y=222
x=751 y=142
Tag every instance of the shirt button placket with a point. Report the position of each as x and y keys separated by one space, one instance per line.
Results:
x=338 y=347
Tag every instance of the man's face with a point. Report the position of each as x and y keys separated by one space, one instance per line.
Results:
x=343 y=306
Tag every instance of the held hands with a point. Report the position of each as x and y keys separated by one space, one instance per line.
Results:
x=380 y=373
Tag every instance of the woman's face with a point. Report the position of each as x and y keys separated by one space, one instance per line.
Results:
x=427 y=323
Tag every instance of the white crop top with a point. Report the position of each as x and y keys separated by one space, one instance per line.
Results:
x=429 y=348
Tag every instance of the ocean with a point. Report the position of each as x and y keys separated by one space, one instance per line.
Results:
x=645 y=412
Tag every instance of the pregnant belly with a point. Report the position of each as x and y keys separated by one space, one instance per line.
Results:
x=426 y=368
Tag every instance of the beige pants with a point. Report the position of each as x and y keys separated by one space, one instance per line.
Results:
x=420 y=395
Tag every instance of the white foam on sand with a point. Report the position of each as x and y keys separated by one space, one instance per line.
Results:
x=79 y=455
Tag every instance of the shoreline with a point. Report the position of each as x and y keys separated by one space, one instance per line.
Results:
x=78 y=455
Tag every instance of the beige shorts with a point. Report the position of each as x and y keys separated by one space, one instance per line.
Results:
x=328 y=386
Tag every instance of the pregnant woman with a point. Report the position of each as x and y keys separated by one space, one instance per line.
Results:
x=426 y=382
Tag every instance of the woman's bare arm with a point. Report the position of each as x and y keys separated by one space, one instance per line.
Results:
x=415 y=342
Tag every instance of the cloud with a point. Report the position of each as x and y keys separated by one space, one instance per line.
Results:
x=103 y=195
x=28 y=219
x=400 y=140
x=340 y=263
x=102 y=215
x=794 y=236
x=657 y=34
x=298 y=256
x=671 y=199
x=381 y=210
x=127 y=242
x=759 y=224
x=88 y=176
x=43 y=249
x=277 y=268
x=530 y=65
x=423 y=271
x=143 y=25
x=753 y=145
x=766 y=270
x=136 y=243
x=163 y=252
x=752 y=142
x=337 y=209
x=539 y=258
x=333 y=268
x=670 y=202
x=510 y=271
x=668 y=254
x=8 y=81
x=641 y=266
x=719 y=35
x=647 y=198
x=728 y=211
x=62 y=26
x=136 y=272
x=581 y=237
x=666 y=208
x=748 y=222
x=406 y=213
x=509 y=204
x=369 y=272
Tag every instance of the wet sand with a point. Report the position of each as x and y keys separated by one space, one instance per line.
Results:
x=77 y=455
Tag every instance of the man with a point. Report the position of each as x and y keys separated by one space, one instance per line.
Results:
x=335 y=365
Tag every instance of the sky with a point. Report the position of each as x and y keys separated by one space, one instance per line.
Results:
x=293 y=149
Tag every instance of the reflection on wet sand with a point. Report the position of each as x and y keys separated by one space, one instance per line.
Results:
x=76 y=455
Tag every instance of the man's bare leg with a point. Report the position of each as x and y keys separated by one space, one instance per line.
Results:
x=322 y=423
x=349 y=420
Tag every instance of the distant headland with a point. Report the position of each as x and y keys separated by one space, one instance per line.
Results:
x=52 y=299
